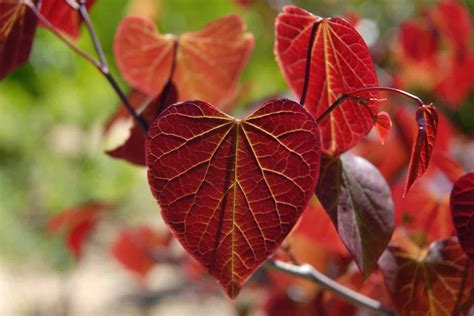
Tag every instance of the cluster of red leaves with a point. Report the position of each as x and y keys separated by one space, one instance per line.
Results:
x=231 y=190
x=436 y=54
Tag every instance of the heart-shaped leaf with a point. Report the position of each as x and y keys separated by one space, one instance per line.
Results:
x=17 y=31
x=340 y=63
x=208 y=62
x=434 y=281
x=232 y=189
x=358 y=200
x=427 y=120
x=134 y=248
x=63 y=16
x=462 y=212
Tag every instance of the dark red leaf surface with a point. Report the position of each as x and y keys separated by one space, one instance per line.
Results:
x=63 y=16
x=341 y=63
x=434 y=281
x=208 y=62
x=134 y=248
x=427 y=120
x=133 y=150
x=419 y=42
x=77 y=222
x=232 y=189
x=462 y=212
x=358 y=200
x=17 y=31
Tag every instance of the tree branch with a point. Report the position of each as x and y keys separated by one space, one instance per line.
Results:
x=308 y=272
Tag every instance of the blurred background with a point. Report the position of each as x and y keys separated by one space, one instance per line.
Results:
x=52 y=116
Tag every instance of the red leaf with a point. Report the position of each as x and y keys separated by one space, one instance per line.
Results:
x=341 y=63
x=134 y=248
x=454 y=22
x=136 y=99
x=450 y=167
x=383 y=124
x=208 y=62
x=17 y=31
x=231 y=190
x=78 y=222
x=462 y=212
x=358 y=200
x=62 y=16
x=418 y=41
x=133 y=150
x=427 y=120
x=436 y=281
x=424 y=213
x=281 y=304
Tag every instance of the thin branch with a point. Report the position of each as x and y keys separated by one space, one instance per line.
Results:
x=308 y=272
x=169 y=82
x=352 y=94
x=309 y=54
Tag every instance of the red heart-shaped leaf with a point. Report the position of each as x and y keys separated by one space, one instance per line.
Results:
x=217 y=54
x=357 y=199
x=62 y=16
x=435 y=281
x=134 y=248
x=340 y=63
x=232 y=189
x=17 y=31
x=427 y=120
x=462 y=212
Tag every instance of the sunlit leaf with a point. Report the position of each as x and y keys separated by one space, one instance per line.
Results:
x=77 y=223
x=427 y=120
x=134 y=248
x=17 y=31
x=438 y=280
x=341 y=63
x=208 y=62
x=358 y=200
x=383 y=124
x=462 y=211
x=232 y=189
x=63 y=16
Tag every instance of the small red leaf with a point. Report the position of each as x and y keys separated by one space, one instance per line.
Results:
x=78 y=222
x=17 y=31
x=208 y=62
x=435 y=281
x=462 y=212
x=454 y=21
x=427 y=120
x=62 y=16
x=133 y=150
x=232 y=189
x=383 y=124
x=134 y=248
x=341 y=63
x=358 y=200
x=136 y=99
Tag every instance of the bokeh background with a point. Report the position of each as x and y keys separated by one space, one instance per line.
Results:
x=52 y=113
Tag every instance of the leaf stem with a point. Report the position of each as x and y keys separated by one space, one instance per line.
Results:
x=345 y=96
x=309 y=54
x=169 y=82
x=308 y=272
